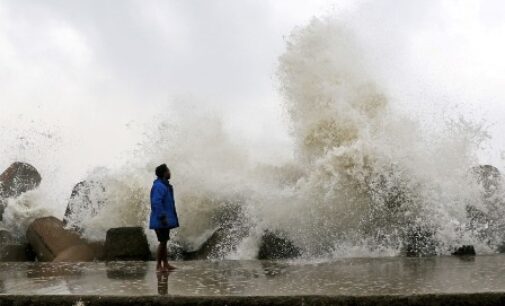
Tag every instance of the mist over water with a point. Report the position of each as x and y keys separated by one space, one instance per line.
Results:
x=362 y=173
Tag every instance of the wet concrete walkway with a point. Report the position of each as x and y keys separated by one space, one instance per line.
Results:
x=347 y=277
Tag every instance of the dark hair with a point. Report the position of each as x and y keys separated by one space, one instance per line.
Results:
x=160 y=170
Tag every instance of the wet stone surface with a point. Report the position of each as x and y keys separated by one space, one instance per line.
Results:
x=355 y=277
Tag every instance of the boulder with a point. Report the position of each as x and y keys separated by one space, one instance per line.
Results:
x=218 y=243
x=76 y=253
x=16 y=252
x=49 y=238
x=126 y=243
x=87 y=199
x=18 y=178
x=15 y=180
x=231 y=227
x=465 y=250
x=275 y=246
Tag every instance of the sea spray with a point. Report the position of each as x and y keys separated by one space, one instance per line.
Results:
x=372 y=174
x=365 y=179
x=21 y=211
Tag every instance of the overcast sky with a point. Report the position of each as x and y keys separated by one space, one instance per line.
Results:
x=83 y=72
x=85 y=69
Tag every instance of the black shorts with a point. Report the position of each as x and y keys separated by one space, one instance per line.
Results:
x=163 y=234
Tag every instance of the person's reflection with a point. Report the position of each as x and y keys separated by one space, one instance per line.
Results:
x=163 y=282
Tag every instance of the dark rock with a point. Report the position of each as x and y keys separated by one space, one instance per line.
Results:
x=274 y=246
x=49 y=238
x=231 y=227
x=126 y=243
x=16 y=253
x=15 y=180
x=216 y=246
x=87 y=198
x=76 y=253
x=466 y=250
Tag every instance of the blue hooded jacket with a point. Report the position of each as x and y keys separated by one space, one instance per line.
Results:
x=163 y=213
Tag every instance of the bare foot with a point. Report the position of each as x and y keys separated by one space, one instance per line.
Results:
x=168 y=267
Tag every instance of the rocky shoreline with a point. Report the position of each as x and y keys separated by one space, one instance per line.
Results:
x=51 y=239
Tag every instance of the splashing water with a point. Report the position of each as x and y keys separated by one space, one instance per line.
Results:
x=371 y=175
x=365 y=178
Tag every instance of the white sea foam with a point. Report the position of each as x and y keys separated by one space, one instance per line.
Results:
x=363 y=177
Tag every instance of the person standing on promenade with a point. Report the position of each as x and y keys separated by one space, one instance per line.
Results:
x=163 y=215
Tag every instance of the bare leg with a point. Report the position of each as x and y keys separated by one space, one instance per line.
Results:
x=159 y=257
x=163 y=255
x=166 y=266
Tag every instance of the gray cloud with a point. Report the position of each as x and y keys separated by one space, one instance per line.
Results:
x=88 y=68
